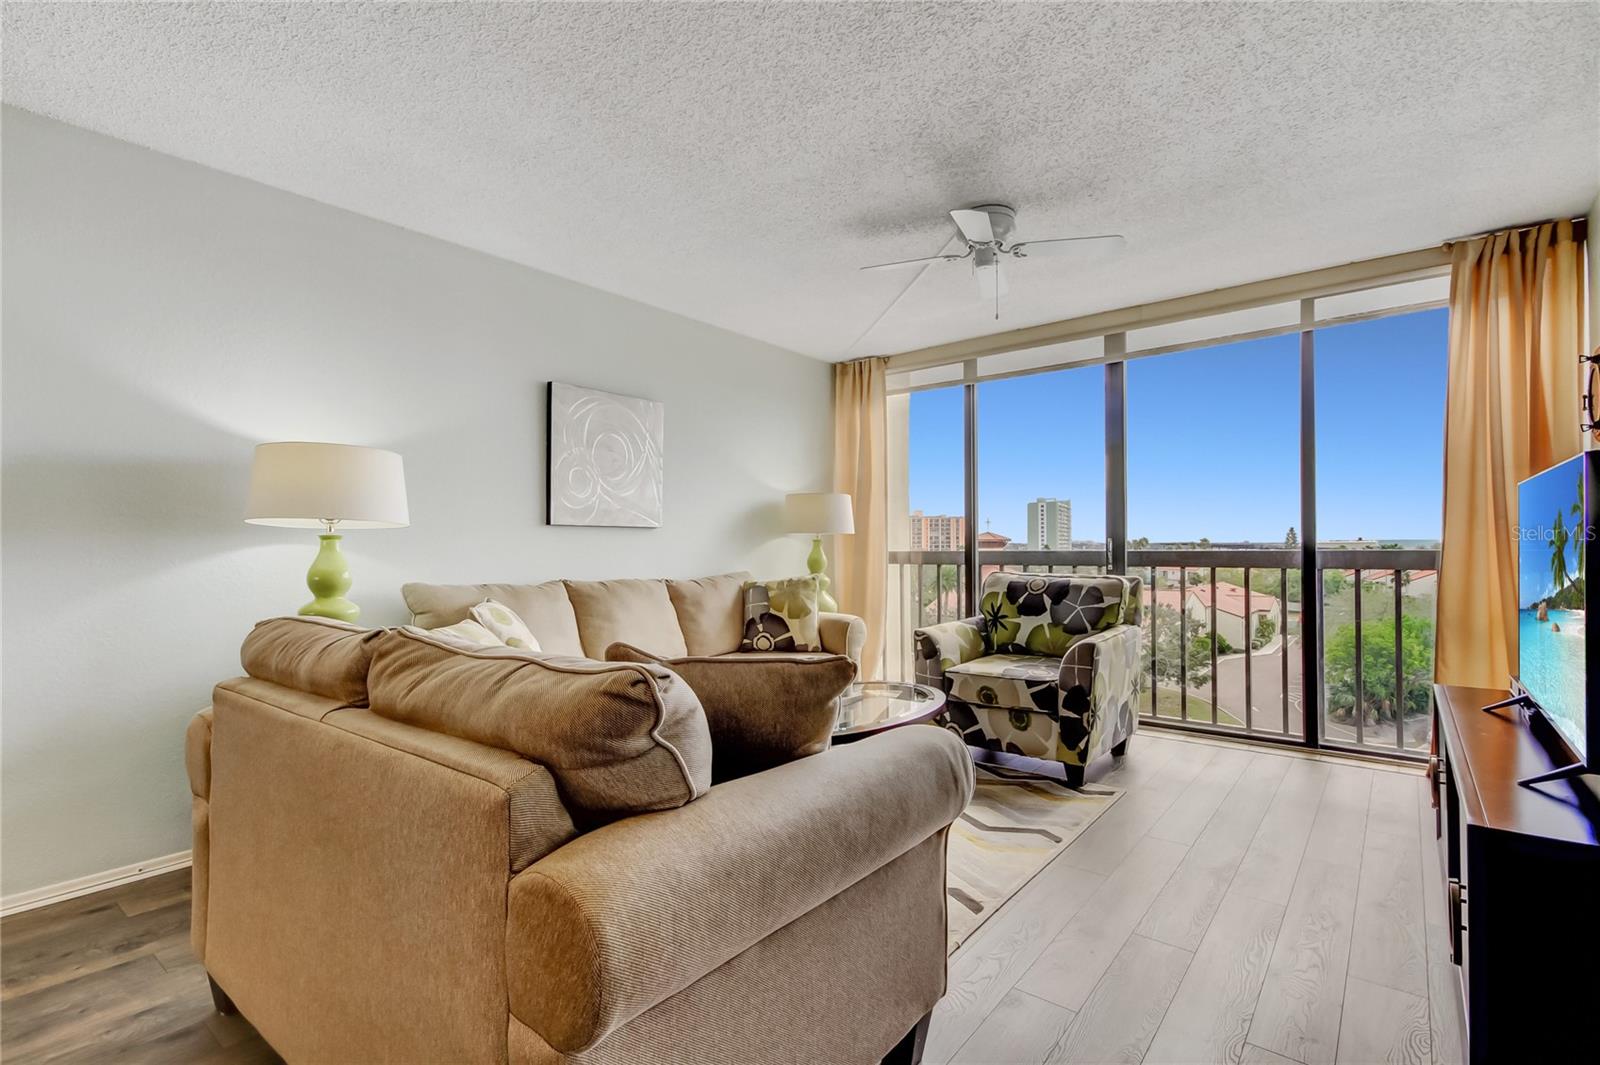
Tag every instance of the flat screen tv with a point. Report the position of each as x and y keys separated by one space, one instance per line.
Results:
x=1556 y=520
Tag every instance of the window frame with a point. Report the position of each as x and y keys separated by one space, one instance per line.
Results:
x=1115 y=357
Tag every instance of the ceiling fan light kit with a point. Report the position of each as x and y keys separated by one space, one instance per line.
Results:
x=986 y=229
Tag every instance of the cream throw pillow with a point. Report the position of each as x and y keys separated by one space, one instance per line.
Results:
x=504 y=623
x=467 y=634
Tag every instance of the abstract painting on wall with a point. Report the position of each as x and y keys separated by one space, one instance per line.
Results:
x=605 y=455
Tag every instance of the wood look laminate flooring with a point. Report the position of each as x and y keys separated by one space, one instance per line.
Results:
x=109 y=977
x=1236 y=905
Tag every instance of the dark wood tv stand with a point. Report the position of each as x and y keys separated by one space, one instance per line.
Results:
x=1522 y=884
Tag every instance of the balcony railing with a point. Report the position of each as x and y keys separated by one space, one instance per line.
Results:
x=1222 y=634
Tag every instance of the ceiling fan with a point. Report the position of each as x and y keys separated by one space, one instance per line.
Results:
x=986 y=228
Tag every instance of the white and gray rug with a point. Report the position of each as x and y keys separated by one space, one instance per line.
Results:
x=1014 y=825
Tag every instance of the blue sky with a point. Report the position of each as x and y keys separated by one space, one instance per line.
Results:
x=1538 y=501
x=1213 y=439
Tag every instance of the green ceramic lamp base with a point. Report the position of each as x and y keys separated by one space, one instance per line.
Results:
x=817 y=563
x=329 y=580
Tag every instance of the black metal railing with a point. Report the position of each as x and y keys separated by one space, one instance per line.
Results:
x=1181 y=669
x=1236 y=668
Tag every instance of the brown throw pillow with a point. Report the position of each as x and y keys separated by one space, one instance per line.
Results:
x=764 y=710
x=618 y=738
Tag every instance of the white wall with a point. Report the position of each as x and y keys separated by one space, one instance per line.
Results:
x=161 y=318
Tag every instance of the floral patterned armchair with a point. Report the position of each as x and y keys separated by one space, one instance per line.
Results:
x=1049 y=669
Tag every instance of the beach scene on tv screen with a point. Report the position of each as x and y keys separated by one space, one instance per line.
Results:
x=1550 y=620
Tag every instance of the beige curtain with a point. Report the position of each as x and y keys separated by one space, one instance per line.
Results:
x=861 y=468
x=1517 y=321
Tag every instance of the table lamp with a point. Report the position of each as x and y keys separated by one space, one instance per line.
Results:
x=327 y=486
x=819 y=514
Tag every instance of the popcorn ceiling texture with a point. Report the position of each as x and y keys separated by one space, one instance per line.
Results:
x=736 y=163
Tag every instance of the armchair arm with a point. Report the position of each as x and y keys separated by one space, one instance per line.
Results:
x=949 y=644
x=842 y=634
x=622 y=918
x=1099 y=683
x=1133 y=601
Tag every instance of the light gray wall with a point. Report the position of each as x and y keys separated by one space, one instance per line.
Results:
x=161 y=318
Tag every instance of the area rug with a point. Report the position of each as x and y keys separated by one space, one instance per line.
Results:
x=1012 y=828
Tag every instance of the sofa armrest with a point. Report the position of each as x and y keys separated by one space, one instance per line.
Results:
x=842 y=634
x=1099 y=683
x=197 y=761
x=949 y=644
x=622 y=918
x=197 y=754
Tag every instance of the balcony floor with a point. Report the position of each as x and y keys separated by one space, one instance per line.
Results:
x=1237 y=904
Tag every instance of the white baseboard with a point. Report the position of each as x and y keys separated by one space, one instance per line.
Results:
x=85 y=885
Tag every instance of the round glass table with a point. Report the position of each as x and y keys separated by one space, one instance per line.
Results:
x=872 y=706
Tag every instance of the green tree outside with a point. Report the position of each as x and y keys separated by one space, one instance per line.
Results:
x=1377 y=669
x=1266 y=628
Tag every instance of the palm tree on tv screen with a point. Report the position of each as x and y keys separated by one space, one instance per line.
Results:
x=1558 y=554
x=1578 y=531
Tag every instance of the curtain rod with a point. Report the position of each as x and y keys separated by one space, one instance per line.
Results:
x=1580 y=226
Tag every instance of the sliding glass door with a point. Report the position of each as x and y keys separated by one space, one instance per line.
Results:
x=1213 y=502
x=1041 y=471
x=1272 y=473
x=1380 y=494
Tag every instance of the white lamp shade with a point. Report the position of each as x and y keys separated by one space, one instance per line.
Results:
x=819 y=513
x=305 y=486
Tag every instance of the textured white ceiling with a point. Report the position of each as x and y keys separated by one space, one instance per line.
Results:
x=736 y=162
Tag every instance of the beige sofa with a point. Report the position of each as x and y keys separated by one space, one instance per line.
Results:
x=671 y=618
x=384 y=871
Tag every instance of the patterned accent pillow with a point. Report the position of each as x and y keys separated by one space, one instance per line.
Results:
x=781 y=615
x=504 y=623
x=1035 y=613
x=467 y=634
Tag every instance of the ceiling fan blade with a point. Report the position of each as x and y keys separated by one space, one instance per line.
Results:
x=1039 y=249
x=974 y=225
x=916 y=262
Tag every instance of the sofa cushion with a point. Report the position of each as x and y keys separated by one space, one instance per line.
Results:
x=626 y=611
x=781 y=615
x=763 y=710
x=317 y=655
x=1012 y=682
x=544 y=608
x=710 y=612
x=618 y=738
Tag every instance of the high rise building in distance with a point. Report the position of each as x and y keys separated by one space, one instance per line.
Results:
x=1050 y=524
x=937 y=532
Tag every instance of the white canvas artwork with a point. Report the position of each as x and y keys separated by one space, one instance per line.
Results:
x=605 y=455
